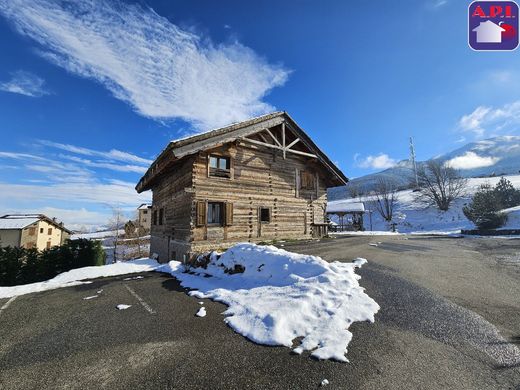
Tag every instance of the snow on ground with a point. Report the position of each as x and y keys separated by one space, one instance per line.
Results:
x=123 y=306
x=76 y=276
x=413 y=216
x=201 y=312
x=281 y=296
x=97 y=235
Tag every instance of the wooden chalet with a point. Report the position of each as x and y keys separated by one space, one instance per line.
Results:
x=258 y=180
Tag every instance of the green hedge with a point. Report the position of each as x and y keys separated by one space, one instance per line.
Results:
x=22 y=266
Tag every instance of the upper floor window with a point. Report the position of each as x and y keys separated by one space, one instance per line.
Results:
x=155 y=217
x=145 y=211
x=265 y=214
x=219 y=166
x=307 y=180
x=49 y=232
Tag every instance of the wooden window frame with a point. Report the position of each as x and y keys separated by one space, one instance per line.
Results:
x=222 y=213
x=219 y=172
x=260 y=210
x=202 y=213
x=49 y=231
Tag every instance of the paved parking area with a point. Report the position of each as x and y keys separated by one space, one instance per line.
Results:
x=450 y=318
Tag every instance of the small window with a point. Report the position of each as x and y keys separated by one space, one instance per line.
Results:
x=161 y=216
x=265 y=215
x=307 y=181
x=155 y=217
x=219 y=166
x=49 y=232
x=41 y=230
x=214 y=214
x=145 y=211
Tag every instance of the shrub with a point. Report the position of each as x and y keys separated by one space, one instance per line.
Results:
x=484 y=209
x=21 y=266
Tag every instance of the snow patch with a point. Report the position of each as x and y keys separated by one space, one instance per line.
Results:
x=91 y=297
x=275 y=296
x=201 y=312
x=324 y=382
x=122 y=306
x=74 y=277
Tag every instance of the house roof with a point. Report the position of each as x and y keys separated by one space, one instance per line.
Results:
x=144 y=206
x=178 y=149
x=20 y=221
x=488 y=25
x=16 y=223
x=345 y=206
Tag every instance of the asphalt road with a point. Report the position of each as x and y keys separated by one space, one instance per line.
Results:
x=449 y=319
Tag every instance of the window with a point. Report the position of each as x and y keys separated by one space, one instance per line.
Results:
x=307 y=180
x=49 y=232
x=214 y=213
x=161 y=216
x=265 y=215
x=48 y=245
x=219 y=166
x=155 y=217
x=41 y=230
x=145 y=211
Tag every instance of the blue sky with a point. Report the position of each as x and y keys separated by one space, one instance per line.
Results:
x=91 y=91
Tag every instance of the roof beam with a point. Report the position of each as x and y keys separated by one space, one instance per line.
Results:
x=273 y=137
x=255 y=142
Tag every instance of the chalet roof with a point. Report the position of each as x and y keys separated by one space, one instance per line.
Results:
x=20 y=221
x=193 y=144
x=345 y=206
x=144 y=206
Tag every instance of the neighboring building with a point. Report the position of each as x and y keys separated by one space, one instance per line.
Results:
x=144 y=216
x=258 y=180
x=31 y=231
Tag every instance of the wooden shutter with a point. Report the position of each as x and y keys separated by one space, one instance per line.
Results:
x=229 y=214
x=201 y=213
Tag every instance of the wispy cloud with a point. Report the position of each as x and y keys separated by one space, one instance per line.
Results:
x=25 y=83
x=381 y=161
x=72 y=187
x=439 y=3
x=471 y=160
x=112 y=154
x=489 y=119
x=163 y=71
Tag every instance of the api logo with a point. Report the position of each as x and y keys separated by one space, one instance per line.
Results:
x=493 y=25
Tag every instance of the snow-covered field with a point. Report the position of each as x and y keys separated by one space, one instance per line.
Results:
x=412 y=216
x=277 y=296
x=281 y=296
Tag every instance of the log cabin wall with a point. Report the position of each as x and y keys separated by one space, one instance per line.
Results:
x=292 y=189
x=173 y=194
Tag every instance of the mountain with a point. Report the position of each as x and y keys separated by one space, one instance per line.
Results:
x=490 y=157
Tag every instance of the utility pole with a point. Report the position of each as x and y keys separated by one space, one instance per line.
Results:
x=414 y=164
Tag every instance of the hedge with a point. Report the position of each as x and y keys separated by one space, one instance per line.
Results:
x=22 y=266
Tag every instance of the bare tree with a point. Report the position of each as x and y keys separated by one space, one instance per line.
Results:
x=116 y=223
x=385 y=198
x=440 y=184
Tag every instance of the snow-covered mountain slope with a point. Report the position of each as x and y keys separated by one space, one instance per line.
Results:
x=412 y=215
x=491 y=157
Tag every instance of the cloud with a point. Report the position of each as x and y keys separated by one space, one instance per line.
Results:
x=25 y=83
x=161 y=70
x=381 y=161
x=113 y=154
x=471 y=160
x=485 y=119
x=439 y=3
x=69 y=186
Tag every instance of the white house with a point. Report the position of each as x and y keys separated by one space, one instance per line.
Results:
x=489 y=32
